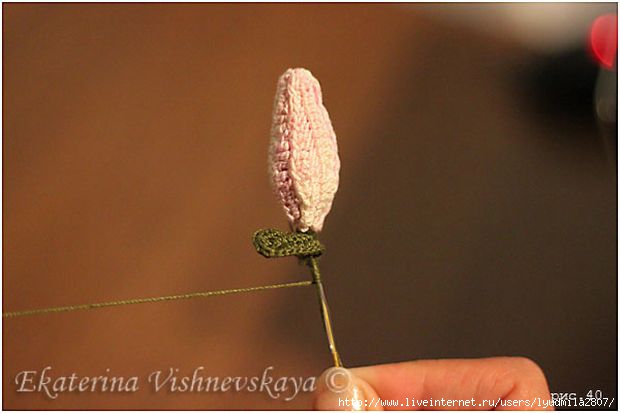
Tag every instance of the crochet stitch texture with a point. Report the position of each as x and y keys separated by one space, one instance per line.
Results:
x=272 y=243
x=303 y=153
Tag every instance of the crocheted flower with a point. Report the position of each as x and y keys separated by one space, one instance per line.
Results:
x=303 y=154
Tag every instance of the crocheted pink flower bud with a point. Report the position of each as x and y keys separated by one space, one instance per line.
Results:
x=303 y=154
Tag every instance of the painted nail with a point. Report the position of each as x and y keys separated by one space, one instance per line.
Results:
x=339 y=389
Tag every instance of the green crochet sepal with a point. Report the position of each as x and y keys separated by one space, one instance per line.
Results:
x=271 y=243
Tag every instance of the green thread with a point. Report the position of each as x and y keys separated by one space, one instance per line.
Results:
x=271 y=243
x=313 y=264
x=132 y=301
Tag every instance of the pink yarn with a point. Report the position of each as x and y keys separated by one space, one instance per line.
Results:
x=303 y=154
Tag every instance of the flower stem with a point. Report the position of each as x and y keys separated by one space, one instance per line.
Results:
x=316 y=278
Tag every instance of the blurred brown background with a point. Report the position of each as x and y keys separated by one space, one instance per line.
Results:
x=470 y=221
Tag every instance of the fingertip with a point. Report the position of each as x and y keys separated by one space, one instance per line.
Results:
x=341 y=389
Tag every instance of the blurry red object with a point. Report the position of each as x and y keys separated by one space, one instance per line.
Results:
x=604 y=40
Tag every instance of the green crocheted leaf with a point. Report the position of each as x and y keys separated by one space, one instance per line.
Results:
x=275 y=243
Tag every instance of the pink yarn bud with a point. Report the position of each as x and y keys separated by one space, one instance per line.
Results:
x=303 y=154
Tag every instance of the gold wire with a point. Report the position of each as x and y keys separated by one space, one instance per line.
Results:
x=327 y=322
x=132 y=301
